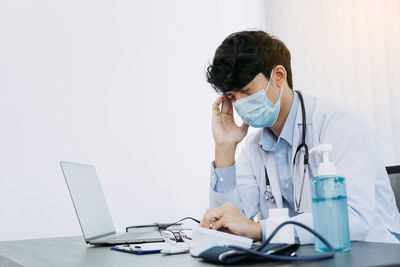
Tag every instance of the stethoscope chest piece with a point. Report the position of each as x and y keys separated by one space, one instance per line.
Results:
x=268 y=194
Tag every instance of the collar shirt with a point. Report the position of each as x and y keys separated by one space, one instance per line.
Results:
x=281 y=147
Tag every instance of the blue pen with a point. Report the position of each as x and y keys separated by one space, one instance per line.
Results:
x=135 y=250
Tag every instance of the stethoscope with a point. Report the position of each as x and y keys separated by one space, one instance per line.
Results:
x=303 y=146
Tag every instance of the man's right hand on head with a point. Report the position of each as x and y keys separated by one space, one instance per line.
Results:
x=227 y=134
x=224 y=128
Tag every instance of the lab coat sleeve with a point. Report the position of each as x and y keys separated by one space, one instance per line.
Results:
x=304 y=236
x=357 y=158
x=244 y=194
x=359 y=164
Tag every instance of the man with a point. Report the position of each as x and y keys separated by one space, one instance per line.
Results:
x=252 y=71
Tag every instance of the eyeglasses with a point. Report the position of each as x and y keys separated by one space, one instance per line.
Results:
x=173 y=237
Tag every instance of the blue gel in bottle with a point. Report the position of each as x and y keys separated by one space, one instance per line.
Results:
x=329 y=204
x=330 y=215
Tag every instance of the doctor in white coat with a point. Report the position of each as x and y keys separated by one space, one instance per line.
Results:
x=252 y=71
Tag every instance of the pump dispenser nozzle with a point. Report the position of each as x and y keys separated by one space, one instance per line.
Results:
x=325 y=167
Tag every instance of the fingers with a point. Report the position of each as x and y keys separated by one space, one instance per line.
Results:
x=220 y=224
x=230 y=111
x=228 y=219
x=209 y=217
x=226 y=106
x=216 y=104
x=213 y=215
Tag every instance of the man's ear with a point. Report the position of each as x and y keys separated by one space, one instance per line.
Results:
x=279 y=75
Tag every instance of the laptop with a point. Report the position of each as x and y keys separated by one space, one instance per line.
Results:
x=92 y=210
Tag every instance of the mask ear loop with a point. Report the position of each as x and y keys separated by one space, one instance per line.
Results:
x=266 y=89
x=270 y=78
x=280 y=93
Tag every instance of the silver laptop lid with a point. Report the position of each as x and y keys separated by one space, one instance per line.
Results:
x=88 y=198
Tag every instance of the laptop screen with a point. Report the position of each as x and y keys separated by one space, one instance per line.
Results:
x=88 y=198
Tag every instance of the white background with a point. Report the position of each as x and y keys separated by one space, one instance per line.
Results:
x=117 y=84
x=346 y=51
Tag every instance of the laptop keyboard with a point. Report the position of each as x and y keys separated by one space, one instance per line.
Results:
x=123 y=236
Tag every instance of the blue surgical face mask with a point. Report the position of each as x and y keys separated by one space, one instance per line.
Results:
x=257 y=110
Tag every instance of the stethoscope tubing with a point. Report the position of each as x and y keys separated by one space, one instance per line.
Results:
x=268 y=192
x=259 y=251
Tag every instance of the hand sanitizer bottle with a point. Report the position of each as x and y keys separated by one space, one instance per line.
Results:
x=329 y=205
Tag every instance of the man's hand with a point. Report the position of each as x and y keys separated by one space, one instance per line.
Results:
x=228 y=219
x=224 y=128
x=226 y=133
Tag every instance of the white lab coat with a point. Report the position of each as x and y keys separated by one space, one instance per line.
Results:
x=371 y=204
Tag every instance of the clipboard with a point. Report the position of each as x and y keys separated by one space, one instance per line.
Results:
x=151 y=248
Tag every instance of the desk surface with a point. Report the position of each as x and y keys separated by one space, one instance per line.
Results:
x=72 y=251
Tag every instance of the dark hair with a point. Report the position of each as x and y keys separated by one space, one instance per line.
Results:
x=242 y=56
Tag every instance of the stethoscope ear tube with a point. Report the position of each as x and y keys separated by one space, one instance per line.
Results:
x=305 y=158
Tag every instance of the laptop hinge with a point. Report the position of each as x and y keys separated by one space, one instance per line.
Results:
x=99 y=236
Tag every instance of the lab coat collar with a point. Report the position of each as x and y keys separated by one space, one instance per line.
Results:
x=289 y=126
x=268 y=140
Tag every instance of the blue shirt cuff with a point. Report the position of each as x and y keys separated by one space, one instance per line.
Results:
x=223 y=180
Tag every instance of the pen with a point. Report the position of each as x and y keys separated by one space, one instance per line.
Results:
x=174 y=251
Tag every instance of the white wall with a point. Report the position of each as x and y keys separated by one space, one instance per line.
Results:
x=118 y=84
x=346 y=51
